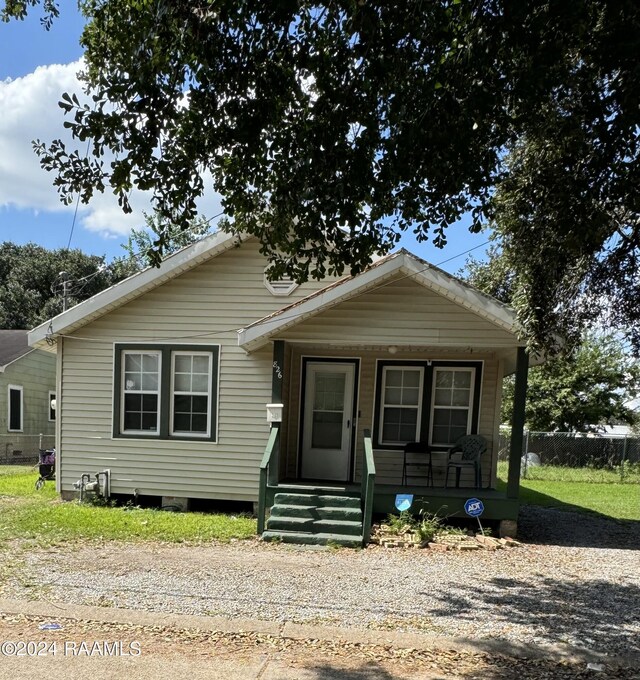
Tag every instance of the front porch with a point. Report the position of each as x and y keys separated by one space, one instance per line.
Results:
x=400 y=354
x=342 y=513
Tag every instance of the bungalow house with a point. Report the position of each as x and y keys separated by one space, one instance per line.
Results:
x=27 y=389
x=203 y=380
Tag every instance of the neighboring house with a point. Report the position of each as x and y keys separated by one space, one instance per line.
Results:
x=27 y=388
x=165 y=380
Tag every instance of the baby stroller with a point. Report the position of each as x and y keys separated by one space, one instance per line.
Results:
x=46 y=466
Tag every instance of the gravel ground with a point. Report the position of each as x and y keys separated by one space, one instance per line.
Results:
x=551 y=589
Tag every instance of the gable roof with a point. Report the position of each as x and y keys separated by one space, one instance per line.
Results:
x=134 y=286
x=13 y=345
x=401 y=264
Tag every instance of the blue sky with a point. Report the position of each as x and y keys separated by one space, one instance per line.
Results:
x=36 y=67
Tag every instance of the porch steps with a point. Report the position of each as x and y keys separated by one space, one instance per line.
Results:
x=310 y=512
x=315 y=519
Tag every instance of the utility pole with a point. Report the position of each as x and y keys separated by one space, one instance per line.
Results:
x=65 y=289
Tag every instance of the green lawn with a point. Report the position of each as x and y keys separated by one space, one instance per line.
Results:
x=40 y=515
x=612 y=499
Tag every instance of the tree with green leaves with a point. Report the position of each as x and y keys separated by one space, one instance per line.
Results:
x=583 y=387
x=580 y=391
x=329 y=128
x=142 y=243
x=31 y=288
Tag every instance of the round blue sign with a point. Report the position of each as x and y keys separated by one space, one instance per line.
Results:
x=474 y=507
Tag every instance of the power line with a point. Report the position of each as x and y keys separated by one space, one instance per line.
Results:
x=278 y=318
x=75 y=213
x=119 y=261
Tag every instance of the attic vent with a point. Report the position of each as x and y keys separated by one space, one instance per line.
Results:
x=283 y=286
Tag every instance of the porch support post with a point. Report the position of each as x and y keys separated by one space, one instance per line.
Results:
x=517 y=423
x=277 y=379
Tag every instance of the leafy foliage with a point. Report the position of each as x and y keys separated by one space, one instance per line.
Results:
x=585 y=386
x=143 y=242
x=330 y=127
x=582 y=390
x=493 y=276
x=31 y=288
x=18 y=9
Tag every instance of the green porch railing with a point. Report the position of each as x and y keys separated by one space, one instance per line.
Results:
x=368 y=486
x=266 y=466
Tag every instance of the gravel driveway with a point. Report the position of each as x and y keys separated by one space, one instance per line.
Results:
x=553 y=588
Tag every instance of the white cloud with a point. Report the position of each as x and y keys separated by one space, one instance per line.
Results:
x=29 y=110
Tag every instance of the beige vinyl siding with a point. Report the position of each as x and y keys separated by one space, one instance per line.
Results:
x=206 y=305
x=35 y=372
x=389 y=463
x=401 y=311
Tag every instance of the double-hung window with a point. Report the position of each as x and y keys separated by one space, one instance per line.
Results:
x=141 y=392
x=401 y=404
x=191 y=393
x=166 y=392
x=452 y=404
x=434 y=402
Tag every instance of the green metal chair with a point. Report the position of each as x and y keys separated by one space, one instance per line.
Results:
x=470 y=448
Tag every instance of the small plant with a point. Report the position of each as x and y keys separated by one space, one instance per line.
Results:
x=400 y=524
x=98 y=501
x=428 y=526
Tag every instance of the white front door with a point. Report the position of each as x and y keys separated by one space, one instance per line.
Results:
x=328 y=420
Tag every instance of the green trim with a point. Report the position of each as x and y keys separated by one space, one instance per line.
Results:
x=277 y=371
x=165 y=388
x=263 y=498
x=427 y=387
x=517 y=423
x=367 y=492
x=445 y=504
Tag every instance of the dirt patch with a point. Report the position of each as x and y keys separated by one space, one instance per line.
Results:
x=310 y=658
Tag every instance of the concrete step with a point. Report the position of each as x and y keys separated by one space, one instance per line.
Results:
x=314 y=526
x=309 y=512
x=316 y=500
x=313 y=539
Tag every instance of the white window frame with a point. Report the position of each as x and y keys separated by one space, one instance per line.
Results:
x=124 y=391
x=17 y=388
x=52 y=396
x=455 y=369
x=383 y=405
x=172 y=393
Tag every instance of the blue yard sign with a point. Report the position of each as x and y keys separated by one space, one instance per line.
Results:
x=474 y=507
x=404 y=501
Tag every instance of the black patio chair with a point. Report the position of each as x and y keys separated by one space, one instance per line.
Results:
x=411 y=460
x=467 y=452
